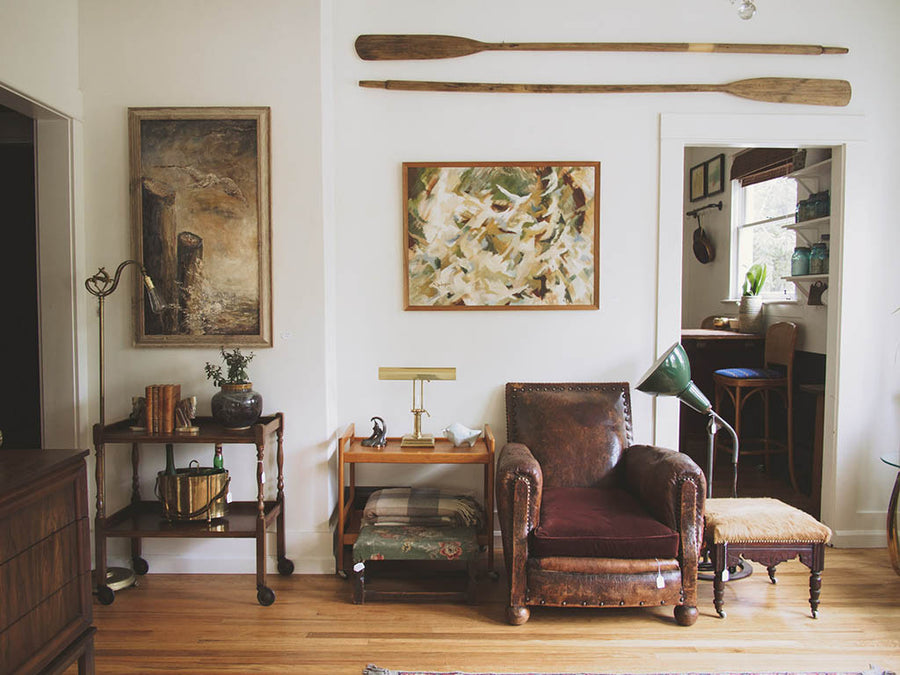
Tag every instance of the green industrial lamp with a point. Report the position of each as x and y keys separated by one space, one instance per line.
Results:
x=671 y=376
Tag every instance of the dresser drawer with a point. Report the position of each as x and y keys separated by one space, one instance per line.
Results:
x=33 y=520
x=38 y=572
x=53 y=624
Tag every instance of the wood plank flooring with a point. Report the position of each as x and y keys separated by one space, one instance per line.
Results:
x=193 y=624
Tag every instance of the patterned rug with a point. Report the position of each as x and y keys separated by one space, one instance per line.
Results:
x=375 y=670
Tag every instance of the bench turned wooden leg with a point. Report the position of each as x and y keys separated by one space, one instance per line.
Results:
x=815 y=585
x=771 y=571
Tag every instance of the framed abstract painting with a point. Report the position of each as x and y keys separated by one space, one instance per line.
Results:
x=501 y=235
x=200 y=206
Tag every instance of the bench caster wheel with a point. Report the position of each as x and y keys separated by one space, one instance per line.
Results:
x=105 y=595
x=265 y=596
x=285 y=567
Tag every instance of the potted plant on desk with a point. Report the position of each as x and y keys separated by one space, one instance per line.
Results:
x=235 y=405
x=750 y=315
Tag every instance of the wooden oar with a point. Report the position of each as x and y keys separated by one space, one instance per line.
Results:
x=396 y=47
x=771 y=89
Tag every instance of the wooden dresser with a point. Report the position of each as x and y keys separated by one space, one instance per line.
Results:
x=45 y=565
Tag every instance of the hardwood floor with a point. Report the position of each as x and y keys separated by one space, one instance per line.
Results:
x=193 y=624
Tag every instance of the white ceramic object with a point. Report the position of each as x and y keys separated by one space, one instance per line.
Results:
x=460 y=434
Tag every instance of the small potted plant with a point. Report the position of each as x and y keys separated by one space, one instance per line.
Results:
x=235 y=405
x=750 y=315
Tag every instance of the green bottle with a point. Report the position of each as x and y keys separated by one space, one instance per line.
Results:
x=218 y=461
x=170 y=459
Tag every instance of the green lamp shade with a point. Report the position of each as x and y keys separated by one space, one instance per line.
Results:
x=671 y=376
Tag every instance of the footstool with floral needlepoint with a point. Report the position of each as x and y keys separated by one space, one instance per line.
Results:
x=767 y=531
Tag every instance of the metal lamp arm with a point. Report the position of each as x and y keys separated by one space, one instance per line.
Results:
x=716 y=419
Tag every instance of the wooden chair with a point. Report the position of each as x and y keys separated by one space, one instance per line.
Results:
x=776 y=375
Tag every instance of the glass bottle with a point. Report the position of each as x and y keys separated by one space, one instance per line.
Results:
x=218 y=460
x=800 y=261
x=818 y=257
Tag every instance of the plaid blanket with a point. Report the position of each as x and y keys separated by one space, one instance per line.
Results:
x=429 y=507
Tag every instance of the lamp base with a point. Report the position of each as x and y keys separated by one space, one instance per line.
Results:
x=411 y=441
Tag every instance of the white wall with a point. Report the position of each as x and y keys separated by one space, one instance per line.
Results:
x=39 y=52
x=337 y=214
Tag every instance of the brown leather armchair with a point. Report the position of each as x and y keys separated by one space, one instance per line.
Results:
x=587 y=518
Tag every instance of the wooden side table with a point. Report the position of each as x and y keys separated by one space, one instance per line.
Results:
x=247 y=519
x=351 y=498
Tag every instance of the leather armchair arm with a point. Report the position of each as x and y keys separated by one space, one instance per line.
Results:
x=519 y=485
x=658 y=478
x=672 y=487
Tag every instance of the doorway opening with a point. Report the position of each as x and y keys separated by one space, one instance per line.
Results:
x=20 y=400
x=753 y=205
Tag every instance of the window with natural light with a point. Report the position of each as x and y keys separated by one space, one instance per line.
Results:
x=758 y=215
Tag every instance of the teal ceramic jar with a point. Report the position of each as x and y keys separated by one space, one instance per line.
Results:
x=800 y=261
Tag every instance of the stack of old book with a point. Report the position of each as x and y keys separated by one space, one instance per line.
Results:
x=160 y=412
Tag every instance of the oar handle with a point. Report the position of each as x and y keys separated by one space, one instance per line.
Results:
x=696 y=47
x=513 y=88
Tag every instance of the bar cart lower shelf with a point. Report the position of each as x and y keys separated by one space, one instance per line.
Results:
x=144 y=519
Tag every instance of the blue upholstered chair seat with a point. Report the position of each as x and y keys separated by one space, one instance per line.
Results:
x=751 y=373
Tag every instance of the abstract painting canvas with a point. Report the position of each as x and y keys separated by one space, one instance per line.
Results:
x=502 y=235
x=200 y=210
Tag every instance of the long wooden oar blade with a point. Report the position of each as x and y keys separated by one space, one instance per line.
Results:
x=398 y=47
x=770 y=89
x=401 y=47
x=808 y=91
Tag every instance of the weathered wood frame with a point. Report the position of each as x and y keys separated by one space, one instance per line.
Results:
x=262 y=117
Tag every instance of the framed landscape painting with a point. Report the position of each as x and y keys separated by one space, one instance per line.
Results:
x=200 y=212
x=501 y=235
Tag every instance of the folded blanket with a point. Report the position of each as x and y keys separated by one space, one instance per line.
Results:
x=430 y=507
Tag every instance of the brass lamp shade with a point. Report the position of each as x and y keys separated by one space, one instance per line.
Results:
x=671 y=376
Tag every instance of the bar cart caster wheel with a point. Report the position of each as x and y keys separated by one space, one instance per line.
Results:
x=105 y=595
x=265 y=596
x=285 y=567
x=140 y=565
x=343 y=574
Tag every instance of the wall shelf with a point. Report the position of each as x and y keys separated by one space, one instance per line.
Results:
x=815 y=171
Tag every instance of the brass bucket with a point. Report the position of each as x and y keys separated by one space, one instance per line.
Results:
x=195 y=493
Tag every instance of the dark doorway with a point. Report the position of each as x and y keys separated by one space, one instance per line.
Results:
x=20 y=395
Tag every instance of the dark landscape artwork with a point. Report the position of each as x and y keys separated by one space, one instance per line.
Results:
x=200 y=204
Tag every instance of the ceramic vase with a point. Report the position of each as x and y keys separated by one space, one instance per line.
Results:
x=750 y=315
x=236 y=406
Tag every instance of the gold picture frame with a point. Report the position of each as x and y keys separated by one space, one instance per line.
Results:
x=200 y=206
x=501 y=235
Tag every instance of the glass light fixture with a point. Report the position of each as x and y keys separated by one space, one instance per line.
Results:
x=746 y=9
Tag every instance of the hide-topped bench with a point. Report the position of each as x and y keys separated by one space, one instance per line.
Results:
x=767 y=531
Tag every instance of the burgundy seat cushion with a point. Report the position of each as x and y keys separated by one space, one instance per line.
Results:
x=599 y=523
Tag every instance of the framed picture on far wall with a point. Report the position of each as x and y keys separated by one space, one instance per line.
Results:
x=200 y=215
x=698 y=182
x=715 y=169
x=501 y=235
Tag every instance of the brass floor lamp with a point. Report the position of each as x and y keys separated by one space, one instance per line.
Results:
x=100 y=285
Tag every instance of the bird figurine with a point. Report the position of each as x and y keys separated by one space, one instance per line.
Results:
x=379 y=432
x=460 y=435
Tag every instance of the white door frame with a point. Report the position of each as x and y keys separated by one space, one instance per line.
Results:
x=62 y=310
x=678 y=131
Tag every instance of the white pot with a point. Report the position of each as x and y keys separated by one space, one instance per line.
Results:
x=750 y=316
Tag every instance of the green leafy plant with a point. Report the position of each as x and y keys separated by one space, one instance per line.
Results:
x=755 y=279
x=237 y=368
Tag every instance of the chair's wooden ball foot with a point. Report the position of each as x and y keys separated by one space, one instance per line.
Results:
x=517 y=615
x=686 y=615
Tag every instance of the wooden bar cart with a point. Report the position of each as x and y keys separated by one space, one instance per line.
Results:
x=141 y=518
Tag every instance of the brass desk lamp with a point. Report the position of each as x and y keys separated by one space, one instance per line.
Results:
x=417 y=439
